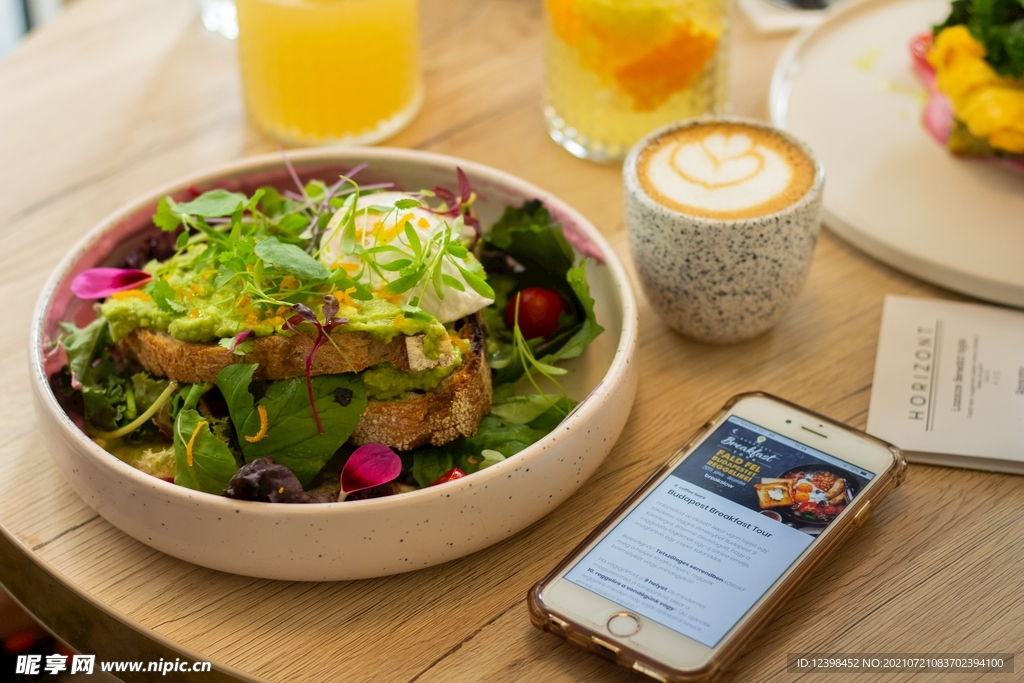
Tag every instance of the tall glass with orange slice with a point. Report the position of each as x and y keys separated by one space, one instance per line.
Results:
x=617 y=69
x=330 y=71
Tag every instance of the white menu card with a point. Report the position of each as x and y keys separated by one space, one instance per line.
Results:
x=949 y=383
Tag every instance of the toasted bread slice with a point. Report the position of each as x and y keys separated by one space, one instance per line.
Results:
x=452 y=409
x=774 y=495
x=279 y=356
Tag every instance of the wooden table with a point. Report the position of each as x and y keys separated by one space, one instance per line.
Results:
x=119 y=96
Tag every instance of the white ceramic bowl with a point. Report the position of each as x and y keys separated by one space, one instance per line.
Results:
x=355 y=539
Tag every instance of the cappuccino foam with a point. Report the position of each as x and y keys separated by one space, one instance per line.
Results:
x=724 y=170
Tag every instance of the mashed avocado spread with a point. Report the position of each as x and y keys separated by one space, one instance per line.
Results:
x=384 y=382
x=192 y=308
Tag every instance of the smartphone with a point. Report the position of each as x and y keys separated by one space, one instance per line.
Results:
x=685 y=571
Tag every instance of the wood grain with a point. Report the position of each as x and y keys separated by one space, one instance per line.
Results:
x=119 y=96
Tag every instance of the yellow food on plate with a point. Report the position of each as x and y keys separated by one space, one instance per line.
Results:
x=774 y=495
x=991 y=106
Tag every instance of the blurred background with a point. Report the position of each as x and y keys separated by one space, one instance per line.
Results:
x=18 y=17
x=19 y=633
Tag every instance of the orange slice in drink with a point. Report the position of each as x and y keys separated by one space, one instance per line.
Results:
x=668 y=68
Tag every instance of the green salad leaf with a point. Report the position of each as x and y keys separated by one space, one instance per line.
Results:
x=212 y=464
x=85 y=344
x=213 y=204
x=588 y=329
x=495 y=433
x=291 y=436
x=292 y=260
x=531 y=236
x=431 y=463
x=525 y=409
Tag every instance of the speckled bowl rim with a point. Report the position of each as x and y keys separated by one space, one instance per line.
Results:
x=607 y=385
x=633 y=186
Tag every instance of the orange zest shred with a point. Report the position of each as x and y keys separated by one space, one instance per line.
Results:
x=258 y=436
x=192 y=441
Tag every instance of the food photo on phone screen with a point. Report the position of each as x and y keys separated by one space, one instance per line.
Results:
x=707 y=543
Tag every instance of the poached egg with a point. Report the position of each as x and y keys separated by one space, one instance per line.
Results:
x=379 y=223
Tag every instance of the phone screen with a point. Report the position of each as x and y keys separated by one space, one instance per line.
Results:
x=712 y=538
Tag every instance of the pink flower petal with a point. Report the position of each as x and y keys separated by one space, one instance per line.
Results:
x=370 y=465
x=99 y=283
x=938 y=117
x=920 y=46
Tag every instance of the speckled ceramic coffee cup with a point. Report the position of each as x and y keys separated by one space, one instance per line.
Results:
x=720 y=280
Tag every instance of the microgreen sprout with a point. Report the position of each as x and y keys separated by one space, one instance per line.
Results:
x=304 y=314
x=422 y=265
x=454 y=206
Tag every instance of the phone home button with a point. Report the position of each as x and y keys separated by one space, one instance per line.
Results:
x=623 y=624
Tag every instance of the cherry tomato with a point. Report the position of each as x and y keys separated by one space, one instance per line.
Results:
x=538 y=312
x=451 y=475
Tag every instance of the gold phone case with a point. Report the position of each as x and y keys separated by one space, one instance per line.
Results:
x=735 y=641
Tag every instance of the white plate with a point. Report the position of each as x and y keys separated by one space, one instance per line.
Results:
x=847 y=88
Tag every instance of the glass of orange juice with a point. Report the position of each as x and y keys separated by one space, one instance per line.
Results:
x=617 y=69
x=330 y=71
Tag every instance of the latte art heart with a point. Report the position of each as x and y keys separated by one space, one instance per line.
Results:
x=718 y=161
x=724 y=170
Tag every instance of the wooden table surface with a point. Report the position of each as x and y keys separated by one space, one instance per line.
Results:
x=120 y=96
